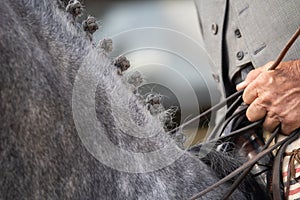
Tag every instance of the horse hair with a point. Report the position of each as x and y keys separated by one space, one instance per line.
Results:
x=41 y=153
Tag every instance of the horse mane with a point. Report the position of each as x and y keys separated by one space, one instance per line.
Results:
x=43 y=155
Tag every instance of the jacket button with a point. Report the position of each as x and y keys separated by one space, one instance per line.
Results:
x=240 y=55
x=214 y=28
x=216 y=77
x=237 y=33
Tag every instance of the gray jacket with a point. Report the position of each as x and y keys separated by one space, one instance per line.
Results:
x=254 y=31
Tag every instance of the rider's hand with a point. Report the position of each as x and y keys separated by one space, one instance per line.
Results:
x=274 y=95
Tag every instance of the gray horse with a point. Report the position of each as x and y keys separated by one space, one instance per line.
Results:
x=45 y=148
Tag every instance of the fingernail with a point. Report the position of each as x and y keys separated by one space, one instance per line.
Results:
x=241 y=85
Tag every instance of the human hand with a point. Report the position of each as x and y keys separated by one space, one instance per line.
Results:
x=274 y=95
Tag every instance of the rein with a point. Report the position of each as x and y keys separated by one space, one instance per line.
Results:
x=239 y=93
x=246 y=167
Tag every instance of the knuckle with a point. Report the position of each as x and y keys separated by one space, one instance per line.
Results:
x=266 y=125
x=268 y=128
x=245 y=96
x=288 y=121
x=248 y=95
x=250 y=116
x=268 y=65
x=265 y=77
x=267 y=100
x=271 y=122
x=288 y=125
x=252 y=72
x=285 y=129
x=255 y=112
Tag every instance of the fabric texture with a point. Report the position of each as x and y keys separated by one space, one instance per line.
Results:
x=237 y=33
x=265 y=28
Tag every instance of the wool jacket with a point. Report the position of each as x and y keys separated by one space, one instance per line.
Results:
x=237 y=32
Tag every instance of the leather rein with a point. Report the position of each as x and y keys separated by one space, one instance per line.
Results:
x=247 y=166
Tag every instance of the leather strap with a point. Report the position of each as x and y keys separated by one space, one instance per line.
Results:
x=291 y=172
x=236 y=183
x=277 y=185
x=277 y=188
x=246 y=165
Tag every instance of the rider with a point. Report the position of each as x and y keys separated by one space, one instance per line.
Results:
x=242 y=36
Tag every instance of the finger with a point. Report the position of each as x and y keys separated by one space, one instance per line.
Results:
x=255 y=111
x=242 y=85
x=271 y=122
x=250 y=94
x=287 y=129
x=252 y=76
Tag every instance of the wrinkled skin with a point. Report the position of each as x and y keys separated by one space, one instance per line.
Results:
x=41 y=154
x=274 y=95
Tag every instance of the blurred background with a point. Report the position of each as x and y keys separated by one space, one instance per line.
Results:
x=162 y=40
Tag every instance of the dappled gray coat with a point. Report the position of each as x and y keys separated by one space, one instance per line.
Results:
x=43 y=154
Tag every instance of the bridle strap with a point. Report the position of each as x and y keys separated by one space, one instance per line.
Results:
x=277 y=187
x=228 y=137
x=291 y=172
x=242 y=176
x=246 y=165
x=214 y=108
